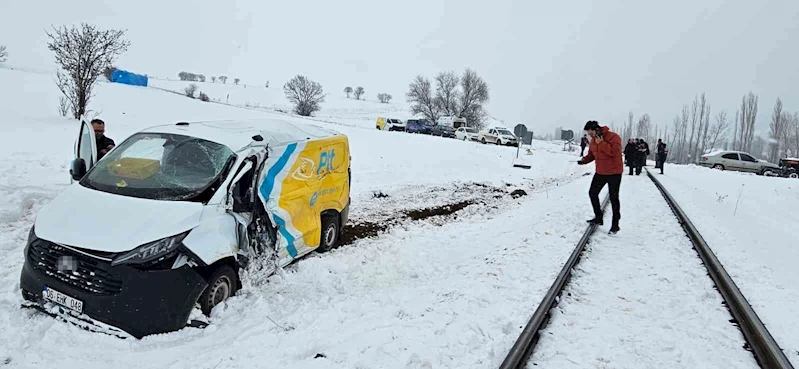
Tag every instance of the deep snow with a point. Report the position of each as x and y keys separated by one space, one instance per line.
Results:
x=757 y=243
x=641 y=299
x=441 y=292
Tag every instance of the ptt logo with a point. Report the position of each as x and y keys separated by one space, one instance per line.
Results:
x=322 y=192
x=325 y=162
x=305 y=170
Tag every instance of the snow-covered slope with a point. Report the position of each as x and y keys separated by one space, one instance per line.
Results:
x=448 y=291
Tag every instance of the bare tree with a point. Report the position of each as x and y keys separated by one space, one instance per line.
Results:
x=704 y=124
x=236 y=81
x=348 y=91
x=359 y=92
x=306 y=95
x=644 y=127
x=63 y=106
x=747 y=118
x=474 y=94
x=776 y=130
x=222 y=79
x=628 y=128
x=3 y=54
x=447 y=93
x=190 y=90
x=695 y=117
x=83 y=53
x=213 y=79
x=420 y=96
x=720 y=129
x=384 y=98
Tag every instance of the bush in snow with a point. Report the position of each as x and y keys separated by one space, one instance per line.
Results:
x=236 y=81
x=204 y=97
x=83 y=53
x=190 y=90
x=222 y=79
x=384 y=98
x=213 y=79
x=3 y=53
x=267 y=84
x=348 y=91
x=201 y=78
x=306 y=95
x=359 y=92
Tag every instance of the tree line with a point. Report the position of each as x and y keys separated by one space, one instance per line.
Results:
x=695 y=131
x=458 y=96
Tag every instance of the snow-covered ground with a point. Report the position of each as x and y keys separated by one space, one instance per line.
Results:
x=641 y=299
x=448 y=291
x=758 y=243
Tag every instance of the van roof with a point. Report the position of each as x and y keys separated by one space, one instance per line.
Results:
x=237 y=134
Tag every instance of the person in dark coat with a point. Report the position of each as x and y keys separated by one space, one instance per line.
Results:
x=662 y=153
x=583 y=144
x=643 y=152
x=104 y=143
x=629 y=155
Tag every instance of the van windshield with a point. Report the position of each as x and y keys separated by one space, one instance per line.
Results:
x=162 y=166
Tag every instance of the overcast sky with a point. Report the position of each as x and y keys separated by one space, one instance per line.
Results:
x=547 y=63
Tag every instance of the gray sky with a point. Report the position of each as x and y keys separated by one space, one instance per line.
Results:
x=547 y=63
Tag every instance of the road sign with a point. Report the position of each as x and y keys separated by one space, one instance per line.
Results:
x=566 y=135
x=520 y=130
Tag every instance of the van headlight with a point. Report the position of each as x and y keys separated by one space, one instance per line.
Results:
x=153 y=251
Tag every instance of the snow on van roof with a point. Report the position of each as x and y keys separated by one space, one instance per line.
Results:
x=236 y=134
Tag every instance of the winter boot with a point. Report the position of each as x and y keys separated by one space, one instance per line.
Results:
x=614 y=229
x=597 y=220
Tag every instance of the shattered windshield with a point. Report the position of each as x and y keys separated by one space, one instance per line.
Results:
x=162 y=166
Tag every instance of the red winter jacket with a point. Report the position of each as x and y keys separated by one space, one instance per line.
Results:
x=606 y=153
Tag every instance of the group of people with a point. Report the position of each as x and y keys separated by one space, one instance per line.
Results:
x=604 y=147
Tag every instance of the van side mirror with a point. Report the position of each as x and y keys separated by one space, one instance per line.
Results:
x=78 y=169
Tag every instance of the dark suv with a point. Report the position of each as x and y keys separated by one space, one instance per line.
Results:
x=422 y=126
x=443 y=131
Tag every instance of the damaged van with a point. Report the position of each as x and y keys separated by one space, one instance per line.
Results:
x=162 y=224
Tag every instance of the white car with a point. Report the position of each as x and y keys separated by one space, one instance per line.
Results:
x=164 y=222
x=738 y=161
x=499 y=136
x=466 y=134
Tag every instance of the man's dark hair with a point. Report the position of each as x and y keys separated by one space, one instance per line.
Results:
x=592 y=125
x=98 y=121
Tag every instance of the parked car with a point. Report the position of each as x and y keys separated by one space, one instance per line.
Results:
x=454 y=122
x=466 y=133
x=390 y=124
x=422 y=126
x=165 y=221
x=739 y=161
x=789 y=167
x=443 y=131
x=499 y=136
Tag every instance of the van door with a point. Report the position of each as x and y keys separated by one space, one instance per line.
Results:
x=85 y=151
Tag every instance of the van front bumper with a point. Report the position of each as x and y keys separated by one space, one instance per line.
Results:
x=138 y=302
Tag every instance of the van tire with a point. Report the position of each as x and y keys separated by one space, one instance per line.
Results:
x=222 y=285
x=330 y=232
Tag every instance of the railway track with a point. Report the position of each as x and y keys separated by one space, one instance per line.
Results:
x=759 y=341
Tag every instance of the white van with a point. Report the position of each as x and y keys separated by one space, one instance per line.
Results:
x=454 y=122
x=164 y=221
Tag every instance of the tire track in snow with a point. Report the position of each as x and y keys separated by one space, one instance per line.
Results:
x=641 y=299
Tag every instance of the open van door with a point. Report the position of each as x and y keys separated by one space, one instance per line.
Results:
x=85 y=155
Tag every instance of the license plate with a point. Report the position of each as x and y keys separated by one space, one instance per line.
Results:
x=59 y=298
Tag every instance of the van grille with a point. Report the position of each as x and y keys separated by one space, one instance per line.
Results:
x=91 y=275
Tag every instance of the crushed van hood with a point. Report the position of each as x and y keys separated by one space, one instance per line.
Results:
x=96 y=220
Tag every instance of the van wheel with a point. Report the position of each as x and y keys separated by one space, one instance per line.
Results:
x=330 y=233
x=221 y=286
x=483 y=140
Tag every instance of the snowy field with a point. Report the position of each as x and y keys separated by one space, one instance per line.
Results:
x=448 y=291
x=641 y=299
x=758 y=243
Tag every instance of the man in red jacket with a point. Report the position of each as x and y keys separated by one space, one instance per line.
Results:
x=605 y=149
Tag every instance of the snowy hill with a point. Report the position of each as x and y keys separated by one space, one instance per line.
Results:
x=413 y=172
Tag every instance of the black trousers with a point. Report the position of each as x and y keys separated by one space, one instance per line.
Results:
x=614 y=182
